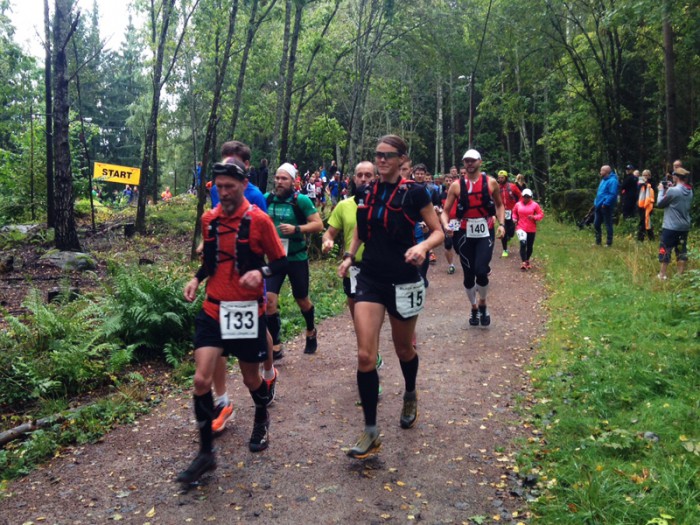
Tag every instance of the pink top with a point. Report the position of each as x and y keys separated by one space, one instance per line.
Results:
x=526 y=215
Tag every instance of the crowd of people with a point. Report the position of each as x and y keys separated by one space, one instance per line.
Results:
x=392 y=216
x=636 y=193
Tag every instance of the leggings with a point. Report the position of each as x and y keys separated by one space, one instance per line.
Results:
x=526 y=247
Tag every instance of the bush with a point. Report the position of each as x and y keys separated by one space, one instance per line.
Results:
x=571 y=205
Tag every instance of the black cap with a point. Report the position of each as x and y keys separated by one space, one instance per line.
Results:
x=629 y=167
x=232 y=168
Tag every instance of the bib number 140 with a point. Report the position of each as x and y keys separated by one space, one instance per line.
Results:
x=410 y=298
x=238 y=319
x=477 y=228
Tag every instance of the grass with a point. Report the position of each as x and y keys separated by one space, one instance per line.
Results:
x=618 y=385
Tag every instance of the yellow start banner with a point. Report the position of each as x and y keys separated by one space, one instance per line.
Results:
x=114 y=173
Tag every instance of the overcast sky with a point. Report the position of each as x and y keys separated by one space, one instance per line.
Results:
x=28 y=18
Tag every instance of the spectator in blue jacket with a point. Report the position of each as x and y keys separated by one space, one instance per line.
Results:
x=605 y=201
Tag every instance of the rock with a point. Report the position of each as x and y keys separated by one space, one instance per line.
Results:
x=21 y=228
x=651 y=436
x=69 y=260
x=7 y=264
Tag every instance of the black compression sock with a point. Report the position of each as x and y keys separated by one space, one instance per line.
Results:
x=368 y=385
x=204 y=412
x=410 y=372
x=309 y=318
x=274 y=325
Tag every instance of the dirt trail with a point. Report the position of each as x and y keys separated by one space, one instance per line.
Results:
x=446 y=469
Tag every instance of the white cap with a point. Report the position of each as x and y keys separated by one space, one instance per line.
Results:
x=288 y=168
x=471 y=154
x=527 y=192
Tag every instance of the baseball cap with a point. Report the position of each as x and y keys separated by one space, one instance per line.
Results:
x=629 y=167
x=527 y=192
x=288 y=168
x=503 y=173
x=471 y=154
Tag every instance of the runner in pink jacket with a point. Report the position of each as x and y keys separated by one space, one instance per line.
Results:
x=526 y=213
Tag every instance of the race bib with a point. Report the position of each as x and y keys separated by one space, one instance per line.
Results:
x=477 y=228
x=238 y=319
x=453 y=225
x=285 y=245
x=410 y=298
x=509 y=214
x=522 y=235
x=353 y=272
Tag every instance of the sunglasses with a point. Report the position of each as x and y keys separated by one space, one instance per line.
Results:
x=386 y=155
x=469 y=160
x=232 y=170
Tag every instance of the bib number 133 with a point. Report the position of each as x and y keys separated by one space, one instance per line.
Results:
x=238 y=319
x=410 y=298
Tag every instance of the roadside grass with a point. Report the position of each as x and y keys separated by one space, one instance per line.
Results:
x=87 y=348
x=617 y=376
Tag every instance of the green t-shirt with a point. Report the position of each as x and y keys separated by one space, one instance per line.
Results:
x=344 y=218
x=282 y=212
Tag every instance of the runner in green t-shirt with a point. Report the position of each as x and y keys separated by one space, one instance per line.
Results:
x=294 y=216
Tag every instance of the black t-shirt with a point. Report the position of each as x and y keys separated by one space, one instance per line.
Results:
x=383 y=258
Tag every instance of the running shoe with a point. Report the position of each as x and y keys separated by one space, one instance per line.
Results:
x=204 y=462
x=222 y=413
x=380 y=361
x=259 y=438
x=277 y=354
x=523 y=266
x=366 y=445
x=311 y=344
x=505 y=253
x=432 y=257
x=271 y=383
x=528 y=265
x=451 y=269
x=484 y=316
x=409 y=412
x=474 y=317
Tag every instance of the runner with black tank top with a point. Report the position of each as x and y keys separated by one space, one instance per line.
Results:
x=387 y=213
x=476 y=199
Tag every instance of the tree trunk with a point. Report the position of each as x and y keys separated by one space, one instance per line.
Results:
x=66 y=234
x=212 y=123
x=453 y=149
x=669 y=67
x=50 y=212
x=289 y=80
x=147 y=155
x=280 y=81
x=439 y=149
x=252 y=29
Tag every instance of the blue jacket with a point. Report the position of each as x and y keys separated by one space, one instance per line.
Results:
x=607 y=191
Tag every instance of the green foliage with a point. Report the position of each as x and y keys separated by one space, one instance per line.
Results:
x=617 y=378
x=86 y=425
x=146 y=310
x=59 y=350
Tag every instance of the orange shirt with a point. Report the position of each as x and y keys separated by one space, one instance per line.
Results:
x=224 y=284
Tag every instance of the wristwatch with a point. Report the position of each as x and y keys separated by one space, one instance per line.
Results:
x=348 y=254
x=297 y=229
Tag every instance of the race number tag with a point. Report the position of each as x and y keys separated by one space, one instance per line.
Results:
x=522 y=235
x=285 y=245
x=477 y=228
x=410 y=298
x=353 y=272
x=453 y=225
x=508 y=214
x=238 y=319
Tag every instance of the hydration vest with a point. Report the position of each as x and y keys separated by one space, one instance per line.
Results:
x=397 y=223
x=245 y=259
x=298 y=215
x=482 y=201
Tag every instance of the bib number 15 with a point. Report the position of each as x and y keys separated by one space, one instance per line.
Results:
x=410 y=298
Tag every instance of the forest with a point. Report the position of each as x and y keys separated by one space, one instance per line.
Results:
x=548 y=88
